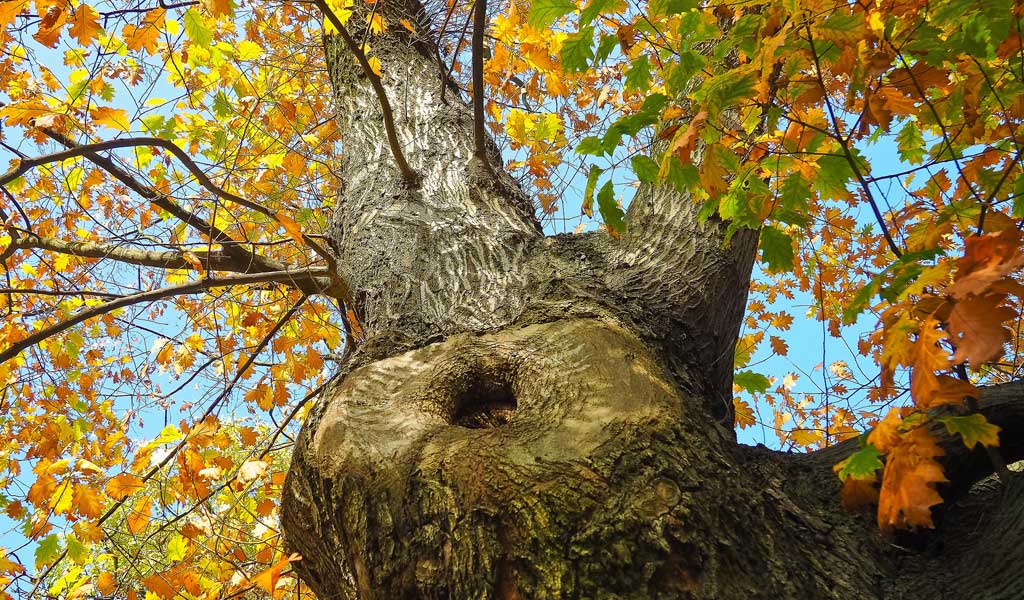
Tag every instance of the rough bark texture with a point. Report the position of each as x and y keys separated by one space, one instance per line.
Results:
x=540 y=417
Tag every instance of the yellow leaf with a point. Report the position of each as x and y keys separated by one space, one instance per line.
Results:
x=376 y=23
x=374 y=65
x=114 y=118
x=60 y=501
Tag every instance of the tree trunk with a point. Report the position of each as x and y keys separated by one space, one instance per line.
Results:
x=540 y=417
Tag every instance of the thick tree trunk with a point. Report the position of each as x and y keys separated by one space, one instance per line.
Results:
x=540 y=418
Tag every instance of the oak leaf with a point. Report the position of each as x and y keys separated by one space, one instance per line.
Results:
x=976 y=326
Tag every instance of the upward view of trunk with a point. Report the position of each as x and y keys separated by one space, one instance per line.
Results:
x=538 y=417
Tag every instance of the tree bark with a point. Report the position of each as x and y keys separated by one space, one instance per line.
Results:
x=537 y=417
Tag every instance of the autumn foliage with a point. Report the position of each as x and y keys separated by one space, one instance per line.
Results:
x=171 y=172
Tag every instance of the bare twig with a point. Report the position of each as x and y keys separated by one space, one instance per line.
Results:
x=479 y=29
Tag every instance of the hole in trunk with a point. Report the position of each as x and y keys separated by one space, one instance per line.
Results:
x=483 y=404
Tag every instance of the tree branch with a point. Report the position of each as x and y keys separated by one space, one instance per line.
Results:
x=479 y=29
x=215 y=260
x=247 y=261
x=315 y=276
x=408 y=174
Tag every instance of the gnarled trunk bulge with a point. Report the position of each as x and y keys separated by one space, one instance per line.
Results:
x=538 y=417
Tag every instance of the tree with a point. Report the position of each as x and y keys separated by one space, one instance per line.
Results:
x=515 y=415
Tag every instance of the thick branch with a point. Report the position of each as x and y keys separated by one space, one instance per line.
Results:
x=315 y=276
x=215 y=260
x=1002 y=405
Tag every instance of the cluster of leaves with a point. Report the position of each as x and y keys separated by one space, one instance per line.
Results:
x=185 y=176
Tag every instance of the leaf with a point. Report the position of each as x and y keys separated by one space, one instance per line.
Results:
x=588 y=193
x=645 y=168
x=908 y=483
x=973 y=429
x=268 y=578
x=578 y=50
x=121 y=486
x=114 y=118
x=744 y=414
x=196 y=29
x=292 y=228
x=977 y=328
x=987 y=259
x=611 y=213
x=776 y=250
x=106 y=584
x=750 y=381
x=251 y=471
x=140 y=515
x=85 y=24
x=638 y=77
x=47 y=550
x=862 y=464
x=545 y=12
x=87 y=502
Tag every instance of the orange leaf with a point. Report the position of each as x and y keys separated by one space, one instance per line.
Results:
x=140 y=515
x=976 y=328
x=85 y=24
x=908 y=491
x=987 y=259
x=291 y=227
x=87 y=502
x=114 y=118
x=123 y=485
x=106 y=584
x=268 y=578
x=744 y=414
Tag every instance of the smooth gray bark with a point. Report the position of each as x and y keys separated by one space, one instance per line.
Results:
x=538 y=417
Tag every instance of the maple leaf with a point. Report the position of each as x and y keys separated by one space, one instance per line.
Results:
x=987 y=259
x=908 y=483
x=973 y=429
x=977 y=327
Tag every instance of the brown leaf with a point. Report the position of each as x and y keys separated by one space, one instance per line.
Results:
x=976 y=325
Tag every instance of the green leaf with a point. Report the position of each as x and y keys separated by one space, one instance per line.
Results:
x=639 y=75
x=645 y=168
x=834 y=173
x=726 y=90
x=595 y=8
x=196 y=28
x=751 y=381
x=862 y=464
x=910 y=143
x=973 y=429
x=47 y=550
x=578 y=51
x=605 y=47
x=776 y=250
x=611 y=214
x=544 y=12
x=590 y=145
x=588 y=193
x=77 y=551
